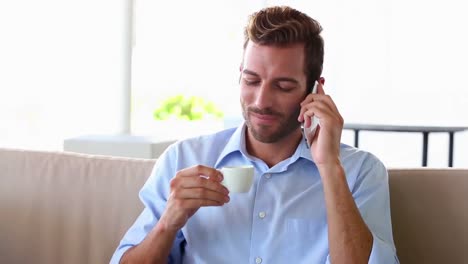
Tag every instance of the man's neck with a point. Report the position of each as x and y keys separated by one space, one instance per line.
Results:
x=273 y=153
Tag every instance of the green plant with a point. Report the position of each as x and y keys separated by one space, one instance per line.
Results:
x=180 y=107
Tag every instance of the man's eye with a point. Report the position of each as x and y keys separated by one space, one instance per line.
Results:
x=251 y=82
x=285 y=88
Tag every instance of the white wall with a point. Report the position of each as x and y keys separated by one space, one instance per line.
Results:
x=62 y=70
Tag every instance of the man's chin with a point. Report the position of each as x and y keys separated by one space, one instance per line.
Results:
x=265 y=135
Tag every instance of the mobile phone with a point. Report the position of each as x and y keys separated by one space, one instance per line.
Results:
x=309 y=132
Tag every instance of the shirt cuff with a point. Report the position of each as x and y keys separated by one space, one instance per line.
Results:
x=118 y=255
x=382 y=252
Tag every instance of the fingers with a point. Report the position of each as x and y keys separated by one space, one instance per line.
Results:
x=322 y=102
x=326 y=99
x=325 y=114
x=320 y=89
x=191 y=204
x=191 y=189
x=201 y=194
x=199 y=183
x=203 y=171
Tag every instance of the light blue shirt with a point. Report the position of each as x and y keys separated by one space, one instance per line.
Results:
x=282 y=219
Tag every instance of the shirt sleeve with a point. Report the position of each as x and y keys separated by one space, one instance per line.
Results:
x=153 y=195
x=381 y=252
x=371 y=194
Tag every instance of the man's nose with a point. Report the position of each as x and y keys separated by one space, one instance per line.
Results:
x=263 y=97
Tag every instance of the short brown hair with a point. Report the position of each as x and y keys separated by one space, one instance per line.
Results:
x=281 y=26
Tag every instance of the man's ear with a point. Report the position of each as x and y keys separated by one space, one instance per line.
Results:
x=322 y=80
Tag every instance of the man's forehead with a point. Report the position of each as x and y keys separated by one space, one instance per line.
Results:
x=274 y=61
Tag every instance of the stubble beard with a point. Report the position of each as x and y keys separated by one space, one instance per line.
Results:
x=269 y=134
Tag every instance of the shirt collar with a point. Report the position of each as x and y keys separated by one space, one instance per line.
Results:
x=237 y=144
x=303 y=151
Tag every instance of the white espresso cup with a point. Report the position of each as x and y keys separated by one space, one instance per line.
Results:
x=238 y=179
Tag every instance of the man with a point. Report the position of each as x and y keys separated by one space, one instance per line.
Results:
x=325 y=204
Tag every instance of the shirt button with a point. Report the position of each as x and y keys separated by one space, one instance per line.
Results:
x=268 y=176
x=258 y=260
x=262 y=215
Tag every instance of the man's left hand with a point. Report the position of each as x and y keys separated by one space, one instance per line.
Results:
x=325 y=145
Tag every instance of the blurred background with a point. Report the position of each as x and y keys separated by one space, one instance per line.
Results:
x=70 y=68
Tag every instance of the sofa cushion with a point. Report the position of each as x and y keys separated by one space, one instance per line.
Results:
x=430 y=214
x=58 y=207
x=66 y=208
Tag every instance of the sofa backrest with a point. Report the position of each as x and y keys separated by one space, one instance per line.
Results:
x=64 y=207
x=60 y=207
x=430 y=215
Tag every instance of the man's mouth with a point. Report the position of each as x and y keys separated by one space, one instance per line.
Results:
x=264 y=118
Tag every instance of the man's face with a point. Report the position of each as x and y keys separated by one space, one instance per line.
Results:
x=273 y=85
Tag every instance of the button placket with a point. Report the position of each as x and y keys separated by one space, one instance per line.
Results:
x=262 y=214
x=260 y=226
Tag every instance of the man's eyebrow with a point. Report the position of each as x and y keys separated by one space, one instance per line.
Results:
x=279 y=79
x=250 y=72
x=286 y=79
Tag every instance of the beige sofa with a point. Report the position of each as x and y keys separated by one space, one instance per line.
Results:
x=74 y=208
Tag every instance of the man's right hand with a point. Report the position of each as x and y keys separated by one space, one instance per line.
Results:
x=191 y=189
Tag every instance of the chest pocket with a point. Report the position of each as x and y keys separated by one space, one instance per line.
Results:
x=308 y=238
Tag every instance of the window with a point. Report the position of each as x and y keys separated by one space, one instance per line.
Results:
x=60 y=70
x=195 y=51
x=389 y=62
x=386 y=62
